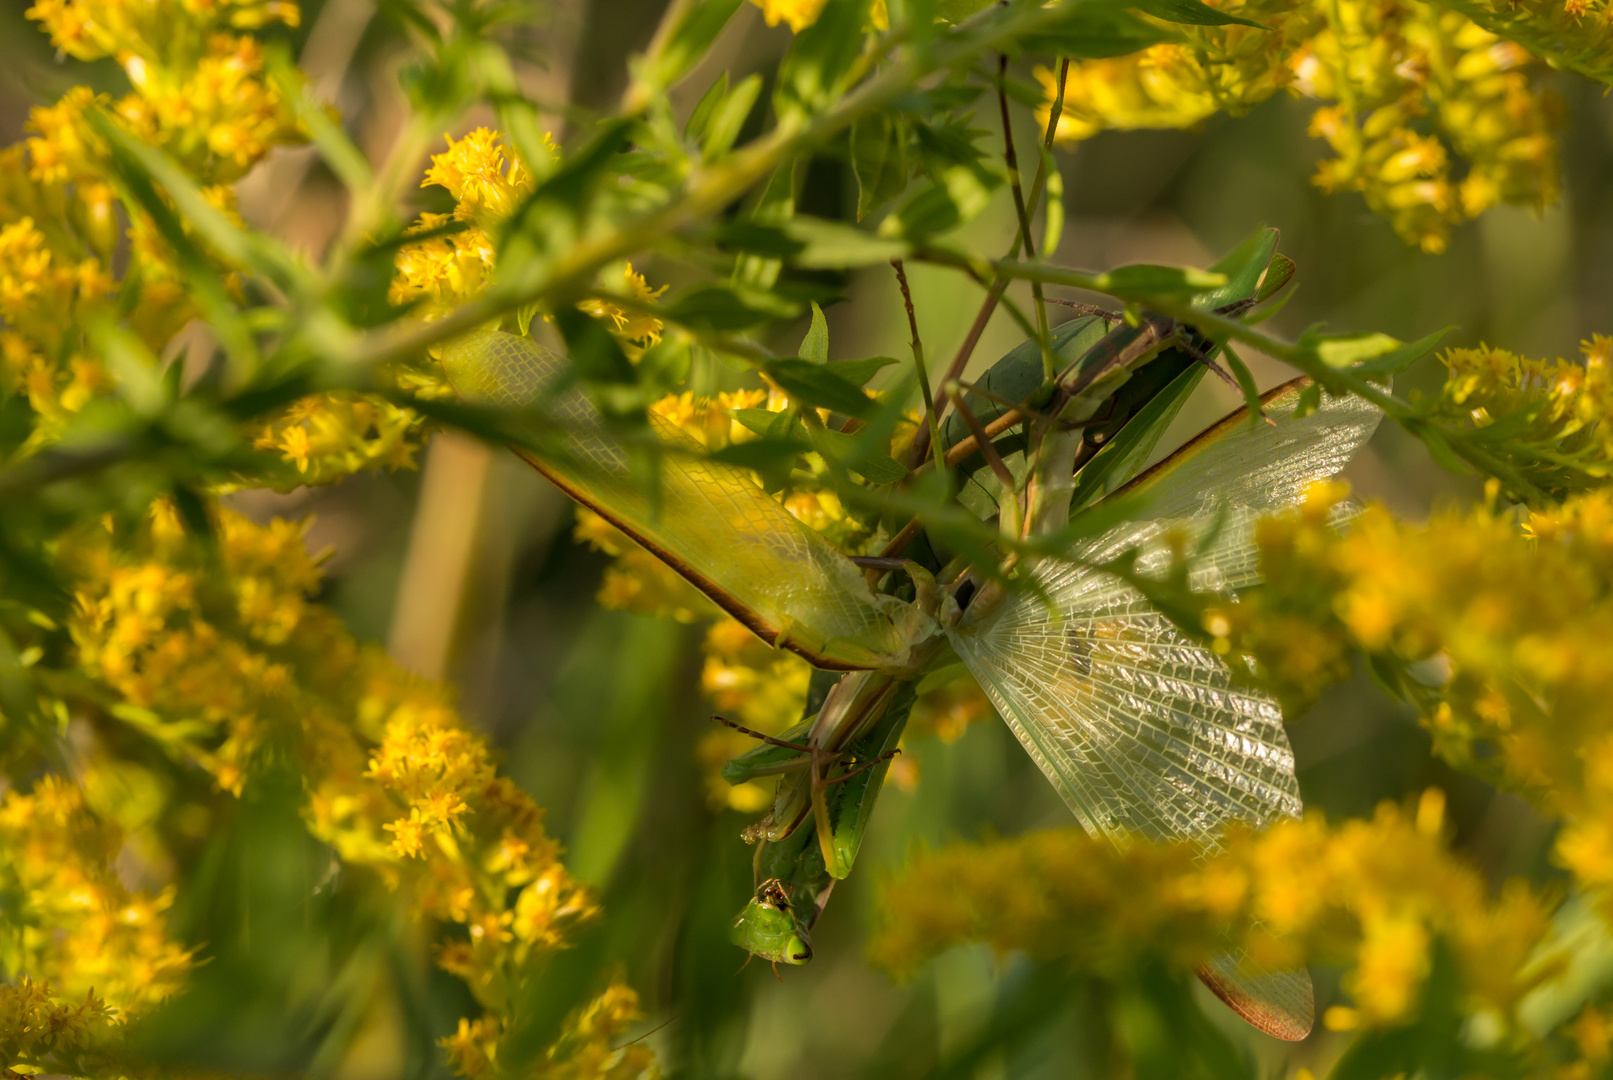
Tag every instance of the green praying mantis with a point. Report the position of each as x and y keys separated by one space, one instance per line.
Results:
x=1142 y=731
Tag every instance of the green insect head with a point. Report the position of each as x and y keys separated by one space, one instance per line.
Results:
x=767 y=927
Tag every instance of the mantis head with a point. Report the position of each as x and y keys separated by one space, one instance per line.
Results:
x=767 y=927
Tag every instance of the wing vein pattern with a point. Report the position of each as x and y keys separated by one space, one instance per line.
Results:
x=714 y=524
x=1142 y=731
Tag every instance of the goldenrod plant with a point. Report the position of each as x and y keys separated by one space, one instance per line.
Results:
x=238 y=836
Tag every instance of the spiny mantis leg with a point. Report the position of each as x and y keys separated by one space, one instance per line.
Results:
x=864 y=767
x=1103 y=313
x=768 y=739
x=832 y=757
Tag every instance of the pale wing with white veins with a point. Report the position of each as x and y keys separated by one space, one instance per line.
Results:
x=714 y=524
x=1142 y=731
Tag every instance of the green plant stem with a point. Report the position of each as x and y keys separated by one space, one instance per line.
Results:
x=918 y=356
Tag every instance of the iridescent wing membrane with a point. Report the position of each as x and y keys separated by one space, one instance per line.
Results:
x=1141 y=730
x=714 y=525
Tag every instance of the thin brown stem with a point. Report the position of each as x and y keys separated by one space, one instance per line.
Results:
x=1011 y=159
x=918 y=356
x=999 y=468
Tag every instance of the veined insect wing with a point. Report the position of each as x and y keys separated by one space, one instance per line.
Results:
x=1141 y=730
x=710 y=522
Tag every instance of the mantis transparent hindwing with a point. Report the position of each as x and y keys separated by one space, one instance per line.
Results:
x=1142 y=731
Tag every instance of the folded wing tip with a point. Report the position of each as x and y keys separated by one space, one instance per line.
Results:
x=1290 y=1018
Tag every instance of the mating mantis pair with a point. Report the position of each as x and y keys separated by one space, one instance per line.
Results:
x=1142 y=731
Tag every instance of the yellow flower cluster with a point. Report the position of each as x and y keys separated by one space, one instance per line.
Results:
x=1390 y=69
x=1562 y=405
x=40 y=1032
x=333 y=435
x=1372 y=896
x=1230 y=68
x=93 y=29
x=213 y=661
x=76 y=926
x=1501 y=632
x=584 y=1051
x=199 y=93
x=753 y=684
x=1575 y=35
x=329 y=436
x=86 y=951
x=800 y=14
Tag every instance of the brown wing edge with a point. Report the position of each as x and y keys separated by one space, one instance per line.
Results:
x=752 y=621
x=1288 y=1025
x=1215 y=431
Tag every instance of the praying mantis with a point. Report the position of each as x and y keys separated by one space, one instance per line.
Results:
x=1142 y=731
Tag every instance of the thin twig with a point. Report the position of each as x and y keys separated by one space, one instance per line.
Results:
x=1011 y=159
x=998 y=467
x=1021 y=407
x=918 y=355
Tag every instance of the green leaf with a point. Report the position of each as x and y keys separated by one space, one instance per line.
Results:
x=879 y=160
x=858 y=372
x=701 y=23
x=694 y=131
x=1310 y=399
x=1348 y=350
x=1243 y=266
x=251 y=250
x=815 y=346
x=955 y=197
x=1142 y=280
x=848 y=450
x=763 y=455
x=339 y=152
x=594 y=351
x=815 y=71
x=728 y=118
x=1193 y=13
x=1246 y=382
x=764 y=422
x=1396 y=360
x=729 y=307
x=1095 y=32
x=775 y=205
x=815 y=384
x=810 y=243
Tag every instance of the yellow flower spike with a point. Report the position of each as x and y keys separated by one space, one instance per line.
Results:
x=799 y=14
